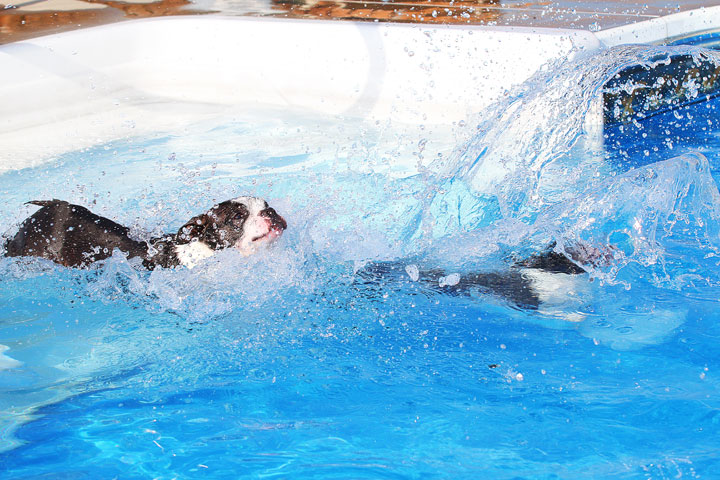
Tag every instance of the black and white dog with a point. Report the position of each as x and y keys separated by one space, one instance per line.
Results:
x=549 y=282
x=528 y=284
x=73 y=236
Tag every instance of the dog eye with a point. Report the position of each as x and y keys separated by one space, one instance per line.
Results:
x=239 y=217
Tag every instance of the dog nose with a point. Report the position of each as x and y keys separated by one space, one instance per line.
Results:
x=276 y=221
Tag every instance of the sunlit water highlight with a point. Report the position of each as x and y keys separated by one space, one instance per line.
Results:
x=291 y=365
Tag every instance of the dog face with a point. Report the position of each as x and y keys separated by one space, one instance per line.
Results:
x=245 y=223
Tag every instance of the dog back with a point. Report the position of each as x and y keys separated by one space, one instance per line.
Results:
x=71 y=235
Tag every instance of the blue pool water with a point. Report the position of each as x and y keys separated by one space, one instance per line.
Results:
x=291 y=364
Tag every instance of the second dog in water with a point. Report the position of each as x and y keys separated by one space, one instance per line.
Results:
x=73 y=236
x=546 y=278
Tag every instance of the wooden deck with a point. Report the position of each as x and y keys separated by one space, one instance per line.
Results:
x=30 y=18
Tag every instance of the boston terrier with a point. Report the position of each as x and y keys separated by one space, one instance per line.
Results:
x=73 y=236
x=548 y=281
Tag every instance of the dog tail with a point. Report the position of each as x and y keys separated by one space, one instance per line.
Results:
x=45 y=203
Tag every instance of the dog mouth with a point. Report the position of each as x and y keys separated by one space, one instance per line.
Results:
x=271 y=235
x=276 y=226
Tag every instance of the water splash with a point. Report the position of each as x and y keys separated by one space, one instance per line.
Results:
x=664 y=217
x=535 y=172
x=228 y=282
x=543 y=143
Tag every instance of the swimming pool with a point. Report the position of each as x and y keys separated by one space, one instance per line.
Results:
x=291 y=365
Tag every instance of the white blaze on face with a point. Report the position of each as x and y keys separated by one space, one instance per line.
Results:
x=257 y=229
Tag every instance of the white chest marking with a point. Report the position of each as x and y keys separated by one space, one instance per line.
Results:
x=560 y=294
x=193 y=253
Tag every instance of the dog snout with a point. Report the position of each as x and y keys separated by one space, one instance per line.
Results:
x=276 y=221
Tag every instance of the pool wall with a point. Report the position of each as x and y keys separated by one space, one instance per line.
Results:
x=77 y=89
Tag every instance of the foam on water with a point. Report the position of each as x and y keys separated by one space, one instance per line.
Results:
x=297 y=363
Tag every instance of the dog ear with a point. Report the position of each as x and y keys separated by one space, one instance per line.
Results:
x=194 y=228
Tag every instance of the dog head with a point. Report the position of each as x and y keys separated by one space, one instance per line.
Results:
x=245 y=223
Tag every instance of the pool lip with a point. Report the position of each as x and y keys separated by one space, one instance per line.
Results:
x=707 y=39
x=662 y=30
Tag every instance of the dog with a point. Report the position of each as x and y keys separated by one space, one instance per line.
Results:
x=548 y=281
x=73 y=236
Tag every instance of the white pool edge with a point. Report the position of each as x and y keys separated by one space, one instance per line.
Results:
x=103 y=83
x=662 y=29
x=77 y=89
